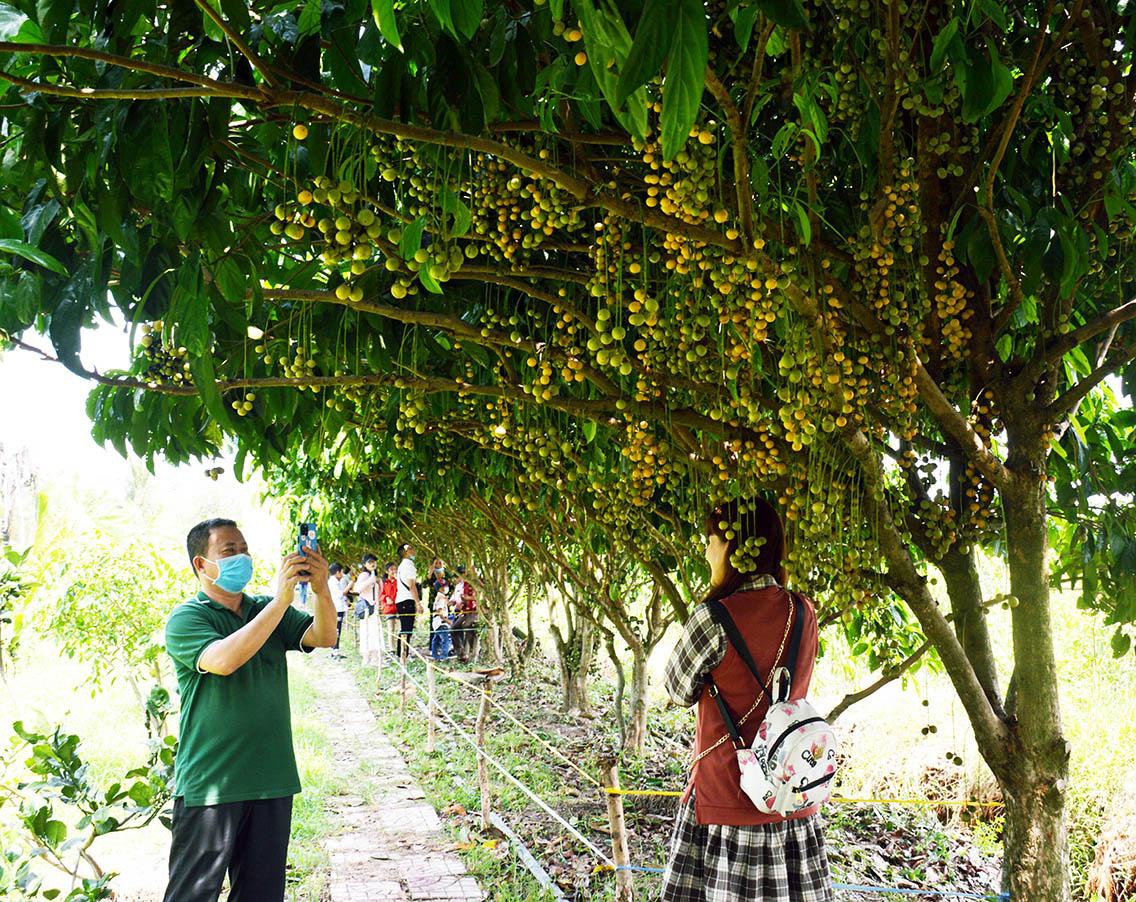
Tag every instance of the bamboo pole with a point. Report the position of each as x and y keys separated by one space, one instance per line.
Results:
x=609 y=772
x=482 y=764
x=432 y=689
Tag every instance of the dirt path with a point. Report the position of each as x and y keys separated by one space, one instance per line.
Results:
x=389 y=845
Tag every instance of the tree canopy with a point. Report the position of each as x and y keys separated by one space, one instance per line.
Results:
x=621 y=260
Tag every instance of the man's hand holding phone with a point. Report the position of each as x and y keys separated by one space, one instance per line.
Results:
x=290 y=574
x=318 y=574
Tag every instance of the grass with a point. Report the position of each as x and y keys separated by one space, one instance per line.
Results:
x=308 y=861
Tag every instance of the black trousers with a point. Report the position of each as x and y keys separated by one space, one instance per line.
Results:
x=339 y=615
x=406 y=617
x=247 y=839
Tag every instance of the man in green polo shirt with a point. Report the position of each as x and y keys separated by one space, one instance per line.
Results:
x=235 y=773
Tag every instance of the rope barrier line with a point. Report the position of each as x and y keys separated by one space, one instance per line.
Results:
x=840 y=800
x=928 y=803
x=857 y=887
x=608 y=864
x=592 y=847
x=671 y=793
x=551 y=748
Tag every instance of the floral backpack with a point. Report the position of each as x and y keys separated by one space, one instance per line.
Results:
x=792 y=762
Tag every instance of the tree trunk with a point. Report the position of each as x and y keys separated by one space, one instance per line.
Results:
x=575 y=653
x=620 y=686
x=636 y=736
x=961 y=576
x=1035 y=781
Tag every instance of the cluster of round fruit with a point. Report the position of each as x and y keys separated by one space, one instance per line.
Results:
x=652 y=461
x=296 y=364
x=952 y=303
x=412 y=414
x=291 y=221
x=166 y=363
x=939 y=523
x=684 y=186
x=243 y=404
x=514 y=211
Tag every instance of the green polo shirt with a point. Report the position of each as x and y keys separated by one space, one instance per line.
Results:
x=235 y=740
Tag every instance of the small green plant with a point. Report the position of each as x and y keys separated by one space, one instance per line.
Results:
x=62 y=812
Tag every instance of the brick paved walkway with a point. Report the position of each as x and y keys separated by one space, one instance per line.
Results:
x=390 y=848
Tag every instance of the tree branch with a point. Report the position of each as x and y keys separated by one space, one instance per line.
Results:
x=740 y=153
x=890 y=675
x=246 y=51
x=1068 y=402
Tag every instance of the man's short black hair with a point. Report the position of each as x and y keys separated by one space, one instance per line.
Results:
x=197 y=542
x=335 y=568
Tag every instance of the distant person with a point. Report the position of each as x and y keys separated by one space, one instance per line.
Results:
x=437 y=583
x=440 y=644
x=722 y=848
x=388 y=605
x=235 y=773
x=337 y=583
x=367 y=585
x=467 y=639
x=408 y=599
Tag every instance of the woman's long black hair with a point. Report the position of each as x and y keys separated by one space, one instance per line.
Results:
x=751 y=518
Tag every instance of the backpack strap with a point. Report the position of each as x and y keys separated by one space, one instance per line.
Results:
x=722 y=617
x=727 y=719
x=798 y=632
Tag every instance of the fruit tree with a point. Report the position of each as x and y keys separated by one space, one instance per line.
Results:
x=870 y=258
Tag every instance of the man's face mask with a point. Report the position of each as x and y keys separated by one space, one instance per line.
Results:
x=234 y=572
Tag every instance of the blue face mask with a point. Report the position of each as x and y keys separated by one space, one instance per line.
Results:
x=235 y=572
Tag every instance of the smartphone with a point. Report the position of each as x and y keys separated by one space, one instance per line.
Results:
x=307 y=541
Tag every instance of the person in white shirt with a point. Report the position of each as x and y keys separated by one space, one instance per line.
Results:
x=337 y=583
x=407 y=599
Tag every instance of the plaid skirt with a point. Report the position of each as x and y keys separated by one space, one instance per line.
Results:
x=781 y=862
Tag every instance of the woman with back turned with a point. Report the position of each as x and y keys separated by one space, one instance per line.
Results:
x=723 y=849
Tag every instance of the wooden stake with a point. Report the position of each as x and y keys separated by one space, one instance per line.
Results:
x=624 y=887
x=482 y=764
x=431 y=688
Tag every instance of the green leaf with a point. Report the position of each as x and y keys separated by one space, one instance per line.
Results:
x=589 y=428
x=54 y=832
x=985 y=82
x=648 y=50
x=1121 y=643
x=744 y=18
x=309 y=21
x=53 y=16
x=189 y=310
x=444 y=15
x=383 y=11
x=428 y=281
x=467 y=16
x=942 y=42
x=10 y=225
x=789 y=13
x=607 y=39
x=805 y=230
x=412 y=238
x=34 y=254
x=686 y=75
